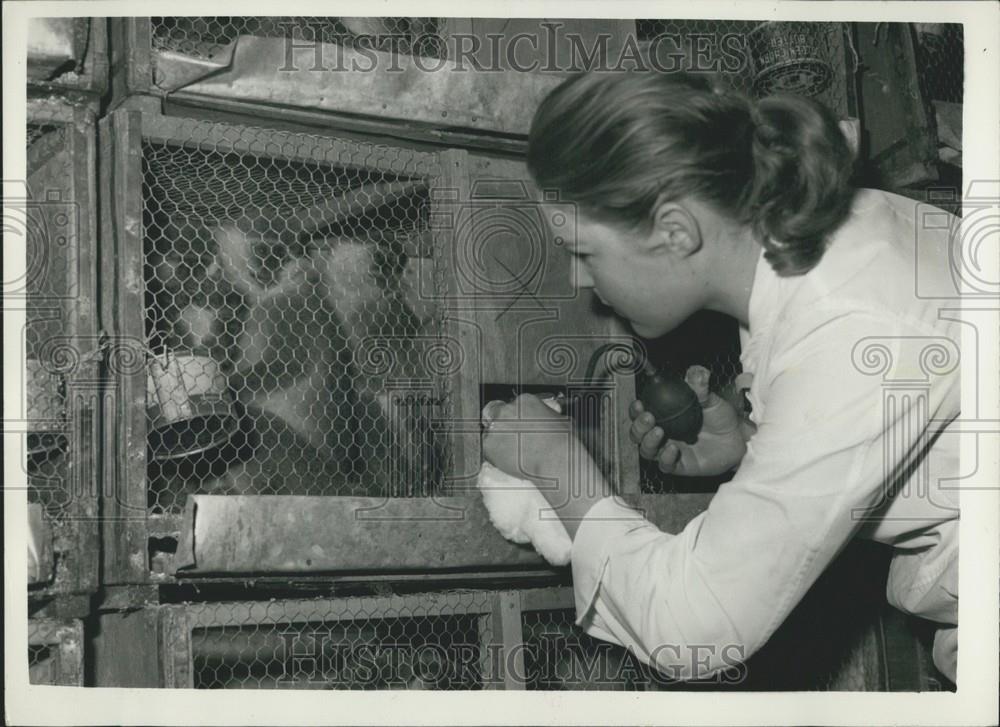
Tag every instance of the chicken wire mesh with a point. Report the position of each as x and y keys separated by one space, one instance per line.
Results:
x=205 y=37
x=435 y=642
x=55 y=652
x=941 y=59
x=290 y=323
x=758 y=58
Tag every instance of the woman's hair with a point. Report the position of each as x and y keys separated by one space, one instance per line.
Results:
x=618 y=144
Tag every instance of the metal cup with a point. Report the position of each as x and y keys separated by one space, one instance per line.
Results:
x=188 y=405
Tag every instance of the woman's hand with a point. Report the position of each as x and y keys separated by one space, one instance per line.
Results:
x=527 y=439
x=720 y=445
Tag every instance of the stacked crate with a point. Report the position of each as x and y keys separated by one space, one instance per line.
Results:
x=55 y=212
x=303 y=312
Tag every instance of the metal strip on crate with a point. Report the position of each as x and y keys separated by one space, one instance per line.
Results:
x=215 y=136
x=290 y=611
x=272 y=534
x=124 y=438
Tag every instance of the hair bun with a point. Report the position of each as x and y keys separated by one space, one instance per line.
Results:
x=801 y=190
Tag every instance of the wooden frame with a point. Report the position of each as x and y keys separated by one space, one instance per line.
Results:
x=76 y=350
x=124 y=513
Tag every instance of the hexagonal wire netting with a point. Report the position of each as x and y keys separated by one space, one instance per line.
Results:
x=47 y=225
x=43 y=664
x=290 y=325
x=409 y=643
x=205 y=37
x=55 y=655
x=941 y=60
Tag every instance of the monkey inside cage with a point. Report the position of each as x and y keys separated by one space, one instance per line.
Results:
x=286 y=328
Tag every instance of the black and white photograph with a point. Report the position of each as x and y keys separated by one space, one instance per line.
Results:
x=642 y=348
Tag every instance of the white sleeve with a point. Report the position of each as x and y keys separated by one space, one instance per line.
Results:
x=707 y=598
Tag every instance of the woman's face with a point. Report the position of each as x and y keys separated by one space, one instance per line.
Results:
x=653 y=287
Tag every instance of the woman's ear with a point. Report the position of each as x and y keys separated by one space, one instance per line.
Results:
x=675 y=230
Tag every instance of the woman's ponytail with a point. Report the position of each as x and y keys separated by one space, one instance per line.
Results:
x=618 y=144
x=800 y=191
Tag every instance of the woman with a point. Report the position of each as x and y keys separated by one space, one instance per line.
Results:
x=692 y=198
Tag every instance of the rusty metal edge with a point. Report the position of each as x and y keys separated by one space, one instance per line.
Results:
x=298 y=146
x=357 y=534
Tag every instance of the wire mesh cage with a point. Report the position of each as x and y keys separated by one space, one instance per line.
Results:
x=941 y=60
x=757 y=58
x=55 y=652
x=292 y=338
x=53 y=213
x=433 y=641
x=205 y=37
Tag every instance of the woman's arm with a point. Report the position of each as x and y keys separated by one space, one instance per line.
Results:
x=707 y=598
